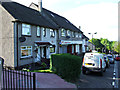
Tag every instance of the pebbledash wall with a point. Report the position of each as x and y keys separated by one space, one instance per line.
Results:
x=10 y=46
x=7 y=37
x=30 y=41
x=71 y=44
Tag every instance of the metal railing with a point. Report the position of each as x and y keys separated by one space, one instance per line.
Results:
x=15 y=79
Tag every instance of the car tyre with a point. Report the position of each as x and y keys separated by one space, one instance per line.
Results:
x=84 y=71
x=101 y=73
x=104 y=70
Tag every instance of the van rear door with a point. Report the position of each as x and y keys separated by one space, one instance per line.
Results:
x=90 y=60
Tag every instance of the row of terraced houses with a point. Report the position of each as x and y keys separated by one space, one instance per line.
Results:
x=30 y=34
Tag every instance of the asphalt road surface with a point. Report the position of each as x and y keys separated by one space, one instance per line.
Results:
x=95 y=80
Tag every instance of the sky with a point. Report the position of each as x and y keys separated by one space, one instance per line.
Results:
x=99 y=16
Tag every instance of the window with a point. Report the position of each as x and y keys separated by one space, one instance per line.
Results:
x=62 y=32
x=80 y=35
x=76 y=35
x=26 y=51
x=68 y=32
x=73 y=34
x=26 y=29
x=38 y=31
x=44 y=32
x=52 y=49
x=52 y=33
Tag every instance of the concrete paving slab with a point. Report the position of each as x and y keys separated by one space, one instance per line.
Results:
x=49 y=80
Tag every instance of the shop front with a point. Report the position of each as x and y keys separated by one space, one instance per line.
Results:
x=73 y=47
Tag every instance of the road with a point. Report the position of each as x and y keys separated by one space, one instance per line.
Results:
x=94 y=80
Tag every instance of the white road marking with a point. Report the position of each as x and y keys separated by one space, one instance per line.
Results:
x=115 y=74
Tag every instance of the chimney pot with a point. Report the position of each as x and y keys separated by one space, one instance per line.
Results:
x=79 y=27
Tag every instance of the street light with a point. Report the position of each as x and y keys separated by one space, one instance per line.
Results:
x=92 y=38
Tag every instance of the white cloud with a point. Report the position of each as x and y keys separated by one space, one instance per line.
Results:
x=100 y=17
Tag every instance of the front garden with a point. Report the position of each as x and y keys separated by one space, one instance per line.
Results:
x=67 y=66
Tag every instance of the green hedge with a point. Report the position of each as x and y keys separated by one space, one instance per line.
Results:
x=66 y=66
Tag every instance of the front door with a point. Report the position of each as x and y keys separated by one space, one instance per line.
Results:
x=69 y=49
x=44 y=52
x=38 y=55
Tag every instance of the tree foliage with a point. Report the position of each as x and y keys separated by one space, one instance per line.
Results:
x=102 y=44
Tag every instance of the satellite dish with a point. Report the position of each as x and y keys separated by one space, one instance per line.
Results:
x=22 y=39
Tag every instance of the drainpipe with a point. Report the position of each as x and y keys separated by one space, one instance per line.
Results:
x=17 y=43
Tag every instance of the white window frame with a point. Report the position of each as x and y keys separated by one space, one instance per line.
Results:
x=73 y=34
x=80 y=35
x=76 y=35
x=52 y=46
x=44 y=31
x=62 y=32
x=68 y=32
x=52 y=33
x=26 y=27
x=38 y=31
x=26 y=48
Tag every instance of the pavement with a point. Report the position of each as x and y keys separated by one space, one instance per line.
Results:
x=49 y=80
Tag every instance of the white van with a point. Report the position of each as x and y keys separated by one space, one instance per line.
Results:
x=93 y=61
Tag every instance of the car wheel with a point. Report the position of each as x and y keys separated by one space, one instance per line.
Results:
x=104 y=70
x=101 y=73
x=84 y=71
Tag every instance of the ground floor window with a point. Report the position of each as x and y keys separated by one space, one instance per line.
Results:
x=52 y=49
x=26 y=51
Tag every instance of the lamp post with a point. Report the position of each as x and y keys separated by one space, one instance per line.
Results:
x=92 y=38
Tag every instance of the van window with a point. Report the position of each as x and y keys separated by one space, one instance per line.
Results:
x=89 y=57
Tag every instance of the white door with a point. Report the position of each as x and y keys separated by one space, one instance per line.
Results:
x=37 y=59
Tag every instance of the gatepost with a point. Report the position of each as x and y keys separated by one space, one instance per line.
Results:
x=1 y=67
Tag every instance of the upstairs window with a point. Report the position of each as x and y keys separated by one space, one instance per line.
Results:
x=73 y=34
x=38 y=31
x=68 y=32
x=76 y=35
x=80 y=35
x=63 y=32
x=52 y=33
x=44 y=32
x=26 y=29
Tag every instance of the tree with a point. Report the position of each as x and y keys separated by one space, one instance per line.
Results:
x=97 y=44
x=117 y=47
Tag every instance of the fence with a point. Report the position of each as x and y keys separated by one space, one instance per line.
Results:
x=14 y=79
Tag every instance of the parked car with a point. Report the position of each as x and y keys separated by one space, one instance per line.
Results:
x=93 y=62
x=111 y=59
x=117 y=58
x=107 y=61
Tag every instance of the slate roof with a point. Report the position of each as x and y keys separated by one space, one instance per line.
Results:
x=62 y=22
x=31 y=16
x=85 y=37
x=27 y=15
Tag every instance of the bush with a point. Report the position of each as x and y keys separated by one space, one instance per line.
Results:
x=43 y=65
x=66 y=66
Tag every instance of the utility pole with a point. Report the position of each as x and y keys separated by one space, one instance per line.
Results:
x=92 y=38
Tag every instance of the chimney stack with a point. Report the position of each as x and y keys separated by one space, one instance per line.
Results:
x=80 y=27
x=40 y=5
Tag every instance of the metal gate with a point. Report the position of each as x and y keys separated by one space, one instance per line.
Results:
x=15 y=79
